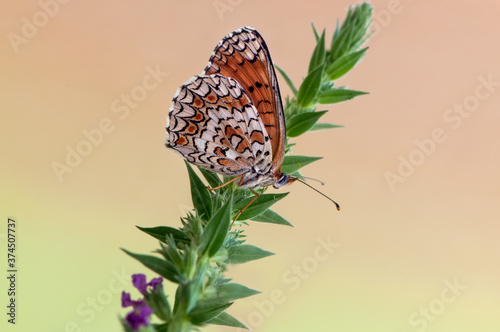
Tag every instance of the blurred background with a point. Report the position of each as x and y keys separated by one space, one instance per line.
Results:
x=85 y=90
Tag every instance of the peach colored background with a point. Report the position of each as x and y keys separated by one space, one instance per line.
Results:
x=398 y=249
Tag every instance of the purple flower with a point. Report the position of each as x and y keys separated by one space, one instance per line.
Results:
x=139 y=317
x=128 y=302
x=155 y=282
x=139 y=282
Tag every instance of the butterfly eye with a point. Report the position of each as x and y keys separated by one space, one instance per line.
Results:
x=282 y=181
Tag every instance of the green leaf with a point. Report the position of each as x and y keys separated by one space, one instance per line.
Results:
x=333 y=95
x=292 y=164
x=159 y=303
x=199 y=194
x=226 y=319
x=336 y=33
x=352 y=33
x=171 y=253
x=161 y=233
x=310 y=87
x=162 y=267
x=271 y=217
x=316 y=35
x=211 y=177
x=344 y=64
x=157 y=327
x=323 y=126
x=246 y=253
x=288 y=80
x=339 y=44
x=206 y=312
x=216 y=230
x=261 y=204
x=195 y=286
x=300 y=123
x=233 y=291
x=319 y=54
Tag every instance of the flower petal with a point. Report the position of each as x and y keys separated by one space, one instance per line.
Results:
x=139 y=282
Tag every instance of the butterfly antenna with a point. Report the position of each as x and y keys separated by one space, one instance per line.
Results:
x=308 y=178
x=319 y=192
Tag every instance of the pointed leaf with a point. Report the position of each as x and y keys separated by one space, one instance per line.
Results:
x=288 y=80
x=353 y=31
x=269 y=216
x=161 y=233
x=336 y=33
x=316 y=35
x=216 y=230
x=158 y=265
x=159 y=303
x=246 y=253
x=211 y=177
x=226 y=319
x=261 y=204
x=233 y=291
x=323 y=126
x=333 y=96
x=319 y=54
x=199 y=194
x=344 y=64
x=340 y=44
x=204 y=313
x=300 y=123
x=291 y=164
x=310 y=87
x=171 y=253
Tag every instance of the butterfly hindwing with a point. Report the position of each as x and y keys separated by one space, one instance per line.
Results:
x=214 y=124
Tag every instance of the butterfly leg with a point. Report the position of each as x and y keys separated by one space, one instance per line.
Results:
x=239 y=177
x=246 y=206
x=228 y=182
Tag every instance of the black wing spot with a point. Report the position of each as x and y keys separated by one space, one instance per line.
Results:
x=258 y=84
x=251 y=89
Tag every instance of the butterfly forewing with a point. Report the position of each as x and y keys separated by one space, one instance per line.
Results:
x=243 y=55
x=214 y=124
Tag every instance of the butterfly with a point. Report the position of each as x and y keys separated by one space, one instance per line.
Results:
x=230 y=119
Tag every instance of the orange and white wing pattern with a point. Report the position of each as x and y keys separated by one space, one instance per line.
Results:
x=244 y=56
x=230 y=119
x=214 y=124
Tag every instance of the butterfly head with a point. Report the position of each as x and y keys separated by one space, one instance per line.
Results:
x=283 y=180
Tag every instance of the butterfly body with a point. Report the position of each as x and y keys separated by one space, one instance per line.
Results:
x=230 y=119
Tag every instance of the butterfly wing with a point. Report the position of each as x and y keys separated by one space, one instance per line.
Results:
x=214 y=124
x=244 y=56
